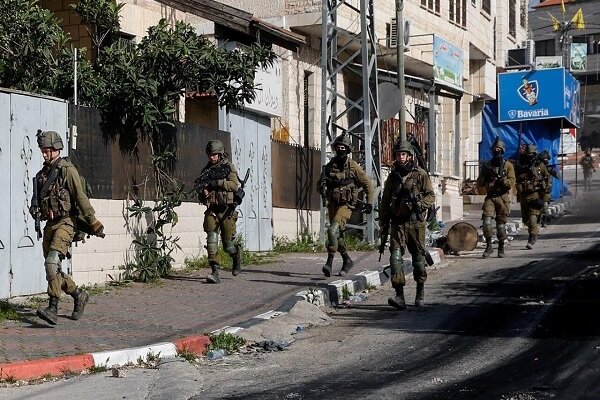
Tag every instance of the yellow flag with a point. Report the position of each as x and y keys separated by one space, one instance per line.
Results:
x=578 y=22
x=555 y=22
x=562 y=5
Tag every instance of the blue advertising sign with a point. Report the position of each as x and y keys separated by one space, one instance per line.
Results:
x=542 y=94
x=448 y=63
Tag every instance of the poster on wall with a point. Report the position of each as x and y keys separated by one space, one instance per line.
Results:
x=578 y=57
x=542 y=94
x=448 y=63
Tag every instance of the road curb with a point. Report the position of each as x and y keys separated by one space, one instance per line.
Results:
x=332 y=294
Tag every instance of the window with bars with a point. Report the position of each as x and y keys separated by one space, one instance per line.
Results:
x=431 y=5
x=458 y=12
x=512 y=18
x=545 y=47
x=486 y=6
x=523 y=14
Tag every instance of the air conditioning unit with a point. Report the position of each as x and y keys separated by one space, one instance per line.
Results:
x=392 y=39
x=523 y=56
x=392 y=33
x=529 y=46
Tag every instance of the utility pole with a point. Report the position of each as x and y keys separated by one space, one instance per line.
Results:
x=400 y=64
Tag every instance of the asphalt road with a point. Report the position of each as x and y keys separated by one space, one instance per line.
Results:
x=520 y=328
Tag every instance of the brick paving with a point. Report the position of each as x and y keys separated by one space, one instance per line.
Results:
x=177 y=307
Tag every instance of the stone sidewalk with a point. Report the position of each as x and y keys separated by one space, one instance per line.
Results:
x=180 y=309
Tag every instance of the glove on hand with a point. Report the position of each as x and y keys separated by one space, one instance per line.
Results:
x=97 y=228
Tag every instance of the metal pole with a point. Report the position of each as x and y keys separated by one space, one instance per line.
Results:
x=75 y=76
x=400 y=64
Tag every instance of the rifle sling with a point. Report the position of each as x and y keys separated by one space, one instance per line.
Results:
x=51 y=178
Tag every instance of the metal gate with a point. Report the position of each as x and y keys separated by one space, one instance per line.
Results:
x=251 y=148
x=21 y=258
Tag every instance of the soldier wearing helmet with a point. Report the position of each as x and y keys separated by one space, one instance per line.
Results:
x=341 y=179
x=587 y=164
x=217 y=194
x=497 y=178
x=407 y=194
x=532 y=178
x=62 y=202
x=543 y=217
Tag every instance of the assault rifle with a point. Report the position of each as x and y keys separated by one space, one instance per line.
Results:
x=323 y=187
x=35 y=209
x=239 y=195
x=384 y=234
x=213 y=173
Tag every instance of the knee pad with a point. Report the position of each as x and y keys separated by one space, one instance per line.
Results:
x=333 y=233
x=532 y=220
x=229 y=247
x=396 y=263
x=212 y=243
x=418 y=264
x=52 y=265
x=396 y=268
x=501 y=231
x=487 y=227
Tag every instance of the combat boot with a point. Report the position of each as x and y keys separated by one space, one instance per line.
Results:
x=214 y=275
x=328 y=263
x=501 y=249
x=420 y=296
x=488 y=248
x=237 y=262
x=347 y=264
x=49 y=314
x=531 y=241
x=80 y=298
x=398 y=300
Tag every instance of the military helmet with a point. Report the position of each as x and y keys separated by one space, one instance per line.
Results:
x=499 y=143
x=404 y=146
x=215 y=146
x=531 y=149
x=49 y=139
x=544 y=155
x=343 y=140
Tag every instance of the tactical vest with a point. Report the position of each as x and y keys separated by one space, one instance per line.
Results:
x=406 y=192
x=341 y=186
x=56 y=202
x=531 y=180
x=587 y=162
x=218 y=196
x=491 y=174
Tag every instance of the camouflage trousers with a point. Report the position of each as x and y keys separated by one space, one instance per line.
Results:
x=338 y=216
x=58 y=236
x=530 y=211
x=215 y=223
x=408 y=236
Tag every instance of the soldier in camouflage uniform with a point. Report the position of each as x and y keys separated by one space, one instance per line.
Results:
x=407 y=194
x=497 y=177
x=220 y=216
x=543 y=218
x=62 y=200
x=532 y=176
x=587 y=163
x=340 y=180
